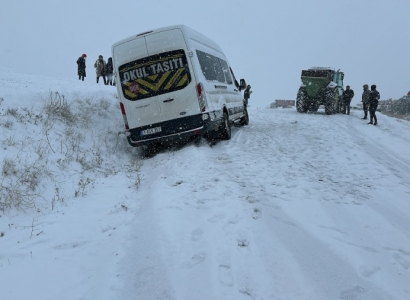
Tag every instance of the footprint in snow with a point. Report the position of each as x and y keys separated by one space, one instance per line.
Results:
x=353 y=293
x=256 y=213
x=367 y=271
x=402 y=261
x=195 y=260
x=225 y=276
x=243 y=243
x=196 y=235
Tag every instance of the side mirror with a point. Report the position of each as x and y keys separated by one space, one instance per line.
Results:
x=242 y=86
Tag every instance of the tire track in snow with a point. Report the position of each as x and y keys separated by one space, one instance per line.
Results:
x=396 y=163
x=225 y=221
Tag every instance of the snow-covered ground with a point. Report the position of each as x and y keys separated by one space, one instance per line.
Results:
x=294 y=206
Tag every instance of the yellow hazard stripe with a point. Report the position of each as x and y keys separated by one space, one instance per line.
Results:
x=129 y=94
x=174 y=77
x=132 y=95
x=183 y=80
x=153 y=77
x=155 y=87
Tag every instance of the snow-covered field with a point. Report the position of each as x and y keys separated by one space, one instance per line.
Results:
x=294 y=206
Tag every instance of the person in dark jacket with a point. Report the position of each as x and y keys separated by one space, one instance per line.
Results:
x=373 y=103
x=365 y=100
x=247 y=94
x=347 y=97
x=81 y=67
x=109 y=70
x=99 y=66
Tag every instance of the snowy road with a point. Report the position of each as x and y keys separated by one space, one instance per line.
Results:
x=294 y=206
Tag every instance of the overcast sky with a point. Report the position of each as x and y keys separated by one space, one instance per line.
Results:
x=267 y=42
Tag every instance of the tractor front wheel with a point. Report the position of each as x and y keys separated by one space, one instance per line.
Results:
x=330 y=99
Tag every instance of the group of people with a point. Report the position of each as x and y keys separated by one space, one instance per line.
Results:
x=370 y=100
x=103 y=69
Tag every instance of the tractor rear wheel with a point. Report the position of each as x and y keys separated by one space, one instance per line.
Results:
x=301 y=99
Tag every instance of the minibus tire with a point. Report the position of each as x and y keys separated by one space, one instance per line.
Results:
x=225 y=129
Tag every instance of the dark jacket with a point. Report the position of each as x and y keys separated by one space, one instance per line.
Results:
x=374 y=98
x=247 y=93
x=348 y=95
x=366 y=95
x=109 y=68
x=81 y=66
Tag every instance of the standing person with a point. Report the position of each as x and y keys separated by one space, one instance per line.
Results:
x=347 y=97
x=81 y=67
x=109 y=70
x=373 y=102
x=99 y=66
x=247 y=94
x=365 y=100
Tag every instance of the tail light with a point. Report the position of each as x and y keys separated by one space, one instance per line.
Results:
x=124 y=116
x=201 y=96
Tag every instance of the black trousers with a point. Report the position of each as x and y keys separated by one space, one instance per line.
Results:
x=373 y=114
x=103 y=76
x=365 y=110
x=346 y=107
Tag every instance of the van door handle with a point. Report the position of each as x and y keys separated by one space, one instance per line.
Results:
x=169 y=100
x=235 y=90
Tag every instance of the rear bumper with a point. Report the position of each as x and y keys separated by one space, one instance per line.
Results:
x=172 y=131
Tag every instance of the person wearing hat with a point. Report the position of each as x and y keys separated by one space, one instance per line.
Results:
x=347 y=97
x=81 y=67
x=247 y=94
x=365 y=100
x=100 y=66
x=373 y=103
x=109 y=71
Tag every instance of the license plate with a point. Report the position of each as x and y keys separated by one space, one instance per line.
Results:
x=151 y=130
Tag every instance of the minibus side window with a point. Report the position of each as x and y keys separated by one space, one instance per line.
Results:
x=218 y=70
x=234 y=79
x=225 y=69
x=210 y=66
x=206 y=65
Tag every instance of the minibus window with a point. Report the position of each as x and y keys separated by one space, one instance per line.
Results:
x=155 y=75
x=225 y=69
x=234 y=79
x=210 y=66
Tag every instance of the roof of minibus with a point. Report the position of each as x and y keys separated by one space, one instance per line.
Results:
x=189 y=32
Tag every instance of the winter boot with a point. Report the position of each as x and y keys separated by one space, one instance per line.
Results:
x=375 y=123
x=371 y=122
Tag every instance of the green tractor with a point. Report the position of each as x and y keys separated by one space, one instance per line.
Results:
x=320 y=86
